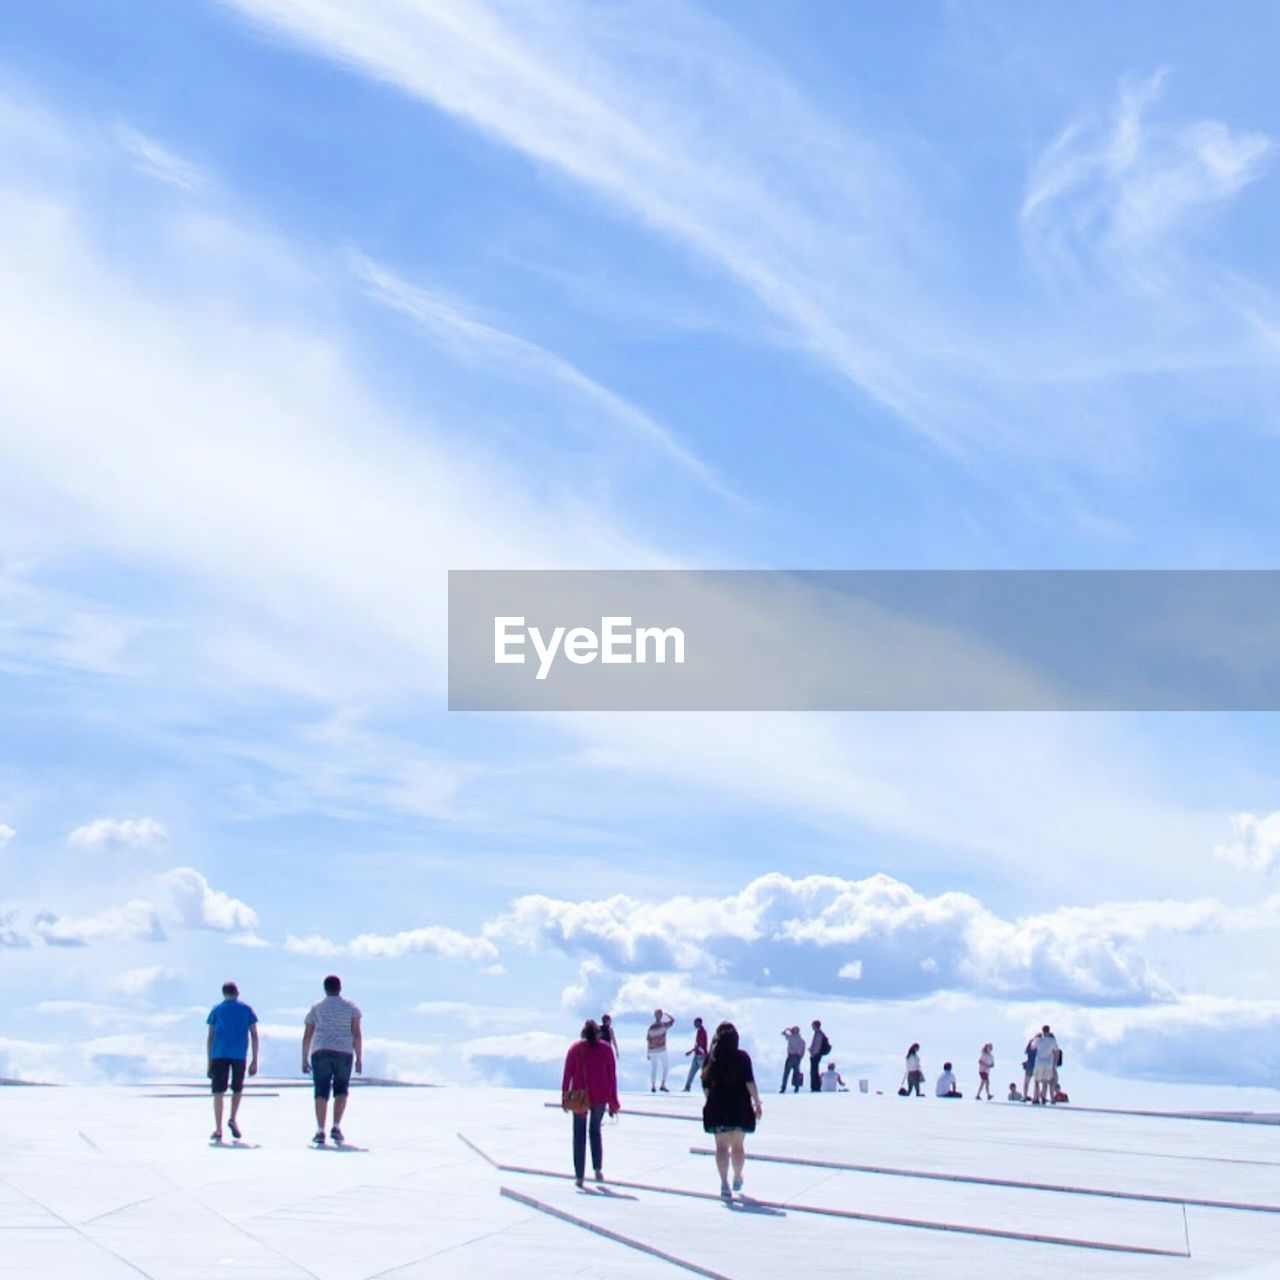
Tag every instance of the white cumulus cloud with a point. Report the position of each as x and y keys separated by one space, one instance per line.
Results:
x=819 y=932
x=137 y=982
x=119 y=833
x=1254 y=843
x=433 y=940
x=7 y=835
x=181 y=898
x=190 y=899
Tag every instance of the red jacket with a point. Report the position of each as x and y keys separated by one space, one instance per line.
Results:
x=592 y=1067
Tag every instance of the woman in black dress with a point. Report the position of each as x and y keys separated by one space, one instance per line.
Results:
x=732 y=1104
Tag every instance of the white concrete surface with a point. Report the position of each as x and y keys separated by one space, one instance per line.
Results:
x=102 y=1182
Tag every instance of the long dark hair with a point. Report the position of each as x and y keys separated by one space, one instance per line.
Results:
x=915 y=1048
x=590 y=1031
x=723 y=1055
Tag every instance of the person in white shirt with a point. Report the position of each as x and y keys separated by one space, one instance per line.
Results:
x=913 y=1078
x=332 y=1044
x=1014 y=1095
x=947 y=1083
x=1046 y=1064
x=832 y=1080
x=657 y=1042
x=986 y=1061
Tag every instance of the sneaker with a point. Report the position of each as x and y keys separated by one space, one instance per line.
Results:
x=235 y=1129
x=737 y=1184
x=652 y=1089
x=662 y=1088
x=336 y=1134
x=577 y=1182
x=216 y=1136
x=599 y=1175
x=319 y=1138
x=725 y=1193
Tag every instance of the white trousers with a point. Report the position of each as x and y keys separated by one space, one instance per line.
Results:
x=657 y=1062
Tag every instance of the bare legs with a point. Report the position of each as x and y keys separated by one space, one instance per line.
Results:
x=730 y=1150
x=322 y=1110
x=722 y=1157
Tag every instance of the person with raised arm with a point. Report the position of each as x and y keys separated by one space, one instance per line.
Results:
x=791 y=1072
x=656 y=1038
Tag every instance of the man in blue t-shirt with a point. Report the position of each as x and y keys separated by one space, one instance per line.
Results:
x=232 y=1026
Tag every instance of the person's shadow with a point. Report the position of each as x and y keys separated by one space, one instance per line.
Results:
x=746 y=1205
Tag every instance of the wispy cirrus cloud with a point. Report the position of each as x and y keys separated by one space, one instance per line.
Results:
x=831 y=232
x=7 y=835
x=813 y=232
x=156 y=160
x=1117 y=193
x=499 y=352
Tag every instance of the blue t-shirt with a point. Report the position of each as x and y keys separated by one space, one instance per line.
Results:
x=231 y=1021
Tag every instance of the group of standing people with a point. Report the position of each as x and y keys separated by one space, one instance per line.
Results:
x=818 y=1047
x=731 y=1101
x=1041 y=1061
x=332 y=1046
x=656 y=1048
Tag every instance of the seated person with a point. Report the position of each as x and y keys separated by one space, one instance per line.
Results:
x=832 y=1080
x=947 y=1083
x=1014 y=1095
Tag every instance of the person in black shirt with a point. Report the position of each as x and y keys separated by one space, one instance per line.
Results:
x=732 y=1104
x=608 y=1035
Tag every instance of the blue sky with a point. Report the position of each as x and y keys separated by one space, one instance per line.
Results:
x=305 y=303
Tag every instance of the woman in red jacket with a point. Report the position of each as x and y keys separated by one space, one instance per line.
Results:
x=590 y=1073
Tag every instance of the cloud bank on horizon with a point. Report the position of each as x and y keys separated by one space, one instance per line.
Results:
x=575 y=285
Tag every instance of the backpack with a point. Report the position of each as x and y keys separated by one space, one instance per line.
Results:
x=826 y=1044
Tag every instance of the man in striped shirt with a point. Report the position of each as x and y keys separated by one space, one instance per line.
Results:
x=331 y=1045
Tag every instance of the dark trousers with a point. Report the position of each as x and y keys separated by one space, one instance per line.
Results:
x=791 y=1073
x=815 y=1066
x=580 y=1127
x=694 y=1067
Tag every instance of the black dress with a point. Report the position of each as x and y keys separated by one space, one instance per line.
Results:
x=728 y=1104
